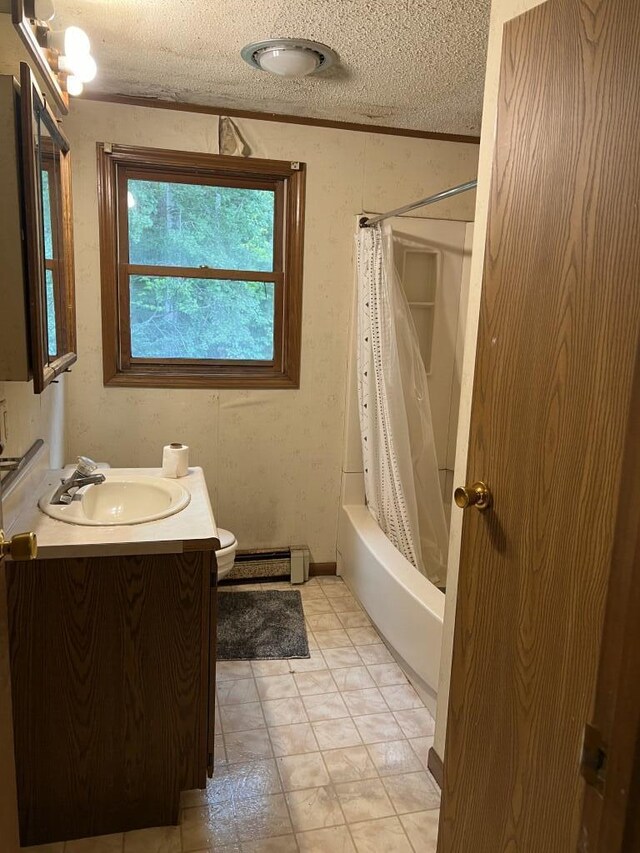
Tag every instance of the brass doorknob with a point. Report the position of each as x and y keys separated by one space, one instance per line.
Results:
x=477 y=495
x=22 y=546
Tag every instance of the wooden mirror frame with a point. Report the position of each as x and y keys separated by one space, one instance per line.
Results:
x=22 y=15
x=45 y=371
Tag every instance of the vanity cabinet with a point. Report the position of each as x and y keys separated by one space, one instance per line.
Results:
x=113 y=682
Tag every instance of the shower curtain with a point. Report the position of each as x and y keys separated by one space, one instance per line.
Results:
x=401 y=479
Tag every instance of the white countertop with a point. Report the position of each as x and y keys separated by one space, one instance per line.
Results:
x=191 y=529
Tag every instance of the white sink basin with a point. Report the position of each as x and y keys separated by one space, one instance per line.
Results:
x=121 y=499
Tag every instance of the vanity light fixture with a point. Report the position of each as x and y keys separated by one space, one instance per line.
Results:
x=289 y=57
x=62 y=56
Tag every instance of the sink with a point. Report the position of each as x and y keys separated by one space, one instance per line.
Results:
x=121 y=499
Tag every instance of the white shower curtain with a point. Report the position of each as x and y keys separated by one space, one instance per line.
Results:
x=402 y=485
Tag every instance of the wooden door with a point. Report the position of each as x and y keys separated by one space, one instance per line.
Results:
x=552 y=402
x=8 y=800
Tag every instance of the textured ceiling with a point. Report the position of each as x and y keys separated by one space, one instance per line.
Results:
x=405 y=63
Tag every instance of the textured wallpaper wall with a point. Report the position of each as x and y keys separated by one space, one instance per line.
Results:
x=272 y=458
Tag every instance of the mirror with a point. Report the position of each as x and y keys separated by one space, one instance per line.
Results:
x=49 y=236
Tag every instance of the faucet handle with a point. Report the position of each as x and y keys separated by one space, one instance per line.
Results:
x=86 y=466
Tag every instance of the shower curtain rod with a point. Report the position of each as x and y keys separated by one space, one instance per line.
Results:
x=365 y=221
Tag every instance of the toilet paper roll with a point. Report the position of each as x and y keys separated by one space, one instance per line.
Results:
x=175 y=460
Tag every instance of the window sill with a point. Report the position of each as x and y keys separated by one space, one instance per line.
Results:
x=140 y=379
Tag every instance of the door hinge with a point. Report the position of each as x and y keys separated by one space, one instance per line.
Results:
x=594 y=758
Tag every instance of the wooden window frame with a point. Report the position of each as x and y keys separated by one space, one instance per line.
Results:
x=118 y=163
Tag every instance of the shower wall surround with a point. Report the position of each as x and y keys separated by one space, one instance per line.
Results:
x=272 y=458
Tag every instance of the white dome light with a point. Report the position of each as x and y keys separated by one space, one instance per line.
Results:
x=289 y=57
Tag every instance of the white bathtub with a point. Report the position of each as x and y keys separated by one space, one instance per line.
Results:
x=406 y=608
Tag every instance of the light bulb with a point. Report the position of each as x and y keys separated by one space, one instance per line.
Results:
x=76 y=43
x=82 y=67
x=288 y=62
x=74 y=86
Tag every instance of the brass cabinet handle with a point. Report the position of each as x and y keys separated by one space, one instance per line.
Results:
x=22 y=546
x=477 y=495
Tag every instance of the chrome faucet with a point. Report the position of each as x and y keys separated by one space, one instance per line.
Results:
x=82 y=476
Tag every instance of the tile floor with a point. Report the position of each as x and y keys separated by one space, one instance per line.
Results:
x=326 y=755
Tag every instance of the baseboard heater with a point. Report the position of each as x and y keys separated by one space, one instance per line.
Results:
x=282 y=564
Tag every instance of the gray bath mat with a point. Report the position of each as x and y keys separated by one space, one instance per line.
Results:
x=261 y=625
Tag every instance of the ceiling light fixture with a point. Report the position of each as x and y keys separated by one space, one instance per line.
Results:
x=289 y=57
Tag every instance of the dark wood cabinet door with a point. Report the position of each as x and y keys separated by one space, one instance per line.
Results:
x=110 y=678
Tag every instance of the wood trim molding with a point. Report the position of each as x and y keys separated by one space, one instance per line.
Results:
x=436 y=767
x=322 y=569
x=285 y=118
x=287 y=179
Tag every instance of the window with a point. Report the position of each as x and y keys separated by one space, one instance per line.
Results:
x=201 y=263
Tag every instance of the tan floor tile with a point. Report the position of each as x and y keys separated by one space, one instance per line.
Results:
x=330 y=580
x=378 y=727
x=310 y=683
x=284 y=712
x=270 y=667
x=231 y=670
x=163 y=839
x=421 y=747
x=207 y=826
x=237 y=692
x=338 y=658
x=337 y=590
x=311 y=641
x=334 y=734
x=334 y=839
x=314 y=662
x=368 y=701
x=323 y=622
x=219 y=751
x=422 y=829
x=332 y=639
x=217 y=722
x=387 y=673
x=354 y=619
x=352 y=678
x=349 y=764
x=240 y=718
x=416 y=723
x=293 y=740
x=191 y=799
x=395 y=756
x=262 y=817
x=303 y=771
x=412 y=792
x=253 y=779
x=315 y=606
x=375 y=653
x=44 y=848
x=380 y=836
x=401 y=697
x=344 y=604
x=277 y=686
x=247 y=746
x=363 y=636
x=325 y=706
x=280 y=844
x=96 y=844
x=364 y=800
x=312 y=593
x=314 y=808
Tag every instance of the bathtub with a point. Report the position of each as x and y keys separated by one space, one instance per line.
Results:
x=406 y=608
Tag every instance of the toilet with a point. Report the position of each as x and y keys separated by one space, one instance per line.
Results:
x=227 y=554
